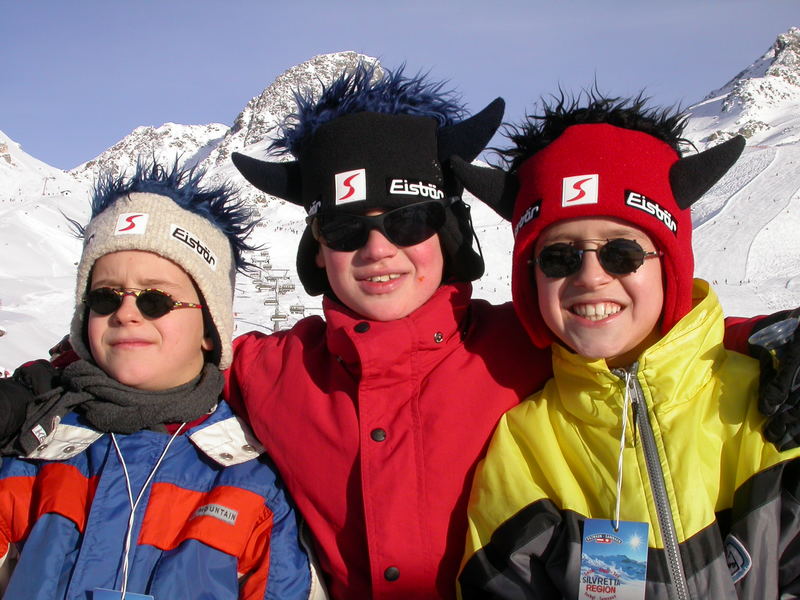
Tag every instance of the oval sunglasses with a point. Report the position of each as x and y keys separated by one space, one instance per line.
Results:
x=152 y=303
x=617 y=257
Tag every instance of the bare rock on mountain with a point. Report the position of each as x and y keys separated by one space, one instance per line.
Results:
x=762 y=103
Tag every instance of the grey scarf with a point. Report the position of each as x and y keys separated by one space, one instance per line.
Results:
x=110 y=406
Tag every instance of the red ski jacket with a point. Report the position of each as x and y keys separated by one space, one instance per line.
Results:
x=376 y=428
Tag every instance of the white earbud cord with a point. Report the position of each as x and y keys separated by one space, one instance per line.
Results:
x=625 y=404
x=134 y=504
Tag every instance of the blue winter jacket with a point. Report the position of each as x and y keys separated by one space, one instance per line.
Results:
x=214 y=522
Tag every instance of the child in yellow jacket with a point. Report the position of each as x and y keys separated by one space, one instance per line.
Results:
x=640 y=470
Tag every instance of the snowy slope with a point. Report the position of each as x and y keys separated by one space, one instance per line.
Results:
x=21 y=174
x=745 y=228
x=746 y=239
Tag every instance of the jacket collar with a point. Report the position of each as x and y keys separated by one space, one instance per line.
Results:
x=223 y=437
x=361 y=343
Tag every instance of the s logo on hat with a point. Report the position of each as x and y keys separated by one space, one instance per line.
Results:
x=579 y=189
x=131 y=223
x=351 y=186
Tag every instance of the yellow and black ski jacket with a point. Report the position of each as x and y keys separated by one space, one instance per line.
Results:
x=721 y=502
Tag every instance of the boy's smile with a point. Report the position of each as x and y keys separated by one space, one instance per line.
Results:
x=595 y=313
x=148 y=354
x=381 y=281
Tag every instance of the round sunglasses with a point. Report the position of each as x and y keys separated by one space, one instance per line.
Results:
x=152 y=303
x=404 y=226
x=617 y=257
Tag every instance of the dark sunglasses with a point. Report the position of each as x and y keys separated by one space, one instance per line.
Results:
x=152 y=303
x=404 y=226
x=618 y=257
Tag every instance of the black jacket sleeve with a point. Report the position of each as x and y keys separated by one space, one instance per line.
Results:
x=14 y=401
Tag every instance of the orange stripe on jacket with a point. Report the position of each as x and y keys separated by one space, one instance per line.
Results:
x=15 y=506
x=63 y=489
x=223 y=518
x=254 y=563
x=58 y=488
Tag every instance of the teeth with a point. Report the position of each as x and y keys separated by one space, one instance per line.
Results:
x=596 y=312
x=384 y=278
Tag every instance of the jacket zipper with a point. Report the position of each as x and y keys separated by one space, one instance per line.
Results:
x=658 y=487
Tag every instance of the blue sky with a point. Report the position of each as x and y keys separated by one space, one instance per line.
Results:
x=77 y=76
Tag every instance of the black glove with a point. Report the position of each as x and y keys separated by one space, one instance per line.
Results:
x=17 y=394
x=782 y=391
x=38 y=376
x=14 y=399
x=779 y=388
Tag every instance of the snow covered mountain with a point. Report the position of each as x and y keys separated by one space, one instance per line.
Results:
x=189 y=144
x=253 y=127
x=759 y=103
x=22 y=175
x=745 y=227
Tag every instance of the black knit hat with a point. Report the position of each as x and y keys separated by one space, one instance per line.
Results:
x=365 y=160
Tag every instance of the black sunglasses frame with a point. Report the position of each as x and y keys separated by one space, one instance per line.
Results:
x=151 y=302
x=618 y=256
x=429 y=217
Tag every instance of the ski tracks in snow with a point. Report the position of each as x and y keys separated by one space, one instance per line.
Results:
x=722 y=244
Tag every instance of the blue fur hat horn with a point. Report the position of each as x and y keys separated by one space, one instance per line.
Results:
x=364 y=90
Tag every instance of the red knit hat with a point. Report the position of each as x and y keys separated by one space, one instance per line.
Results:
x=604 y=171
x=594 y=168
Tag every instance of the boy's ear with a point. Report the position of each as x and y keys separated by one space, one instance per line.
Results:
x=319 y=259
x=211 y=342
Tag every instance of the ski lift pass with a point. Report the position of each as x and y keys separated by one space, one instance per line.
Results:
x=613 y=561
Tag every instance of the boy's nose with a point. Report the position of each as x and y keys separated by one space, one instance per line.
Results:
x=377 y=247
x=591 y=273
x=128 y=311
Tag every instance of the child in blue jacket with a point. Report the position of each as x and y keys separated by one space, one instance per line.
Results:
x=140 y=482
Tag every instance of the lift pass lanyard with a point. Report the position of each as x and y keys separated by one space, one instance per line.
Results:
x=613 y=563
x=104 y=594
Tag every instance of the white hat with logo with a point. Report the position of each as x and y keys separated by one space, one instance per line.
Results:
x=155 y=223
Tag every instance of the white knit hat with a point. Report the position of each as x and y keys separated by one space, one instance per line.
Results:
x=155 y=223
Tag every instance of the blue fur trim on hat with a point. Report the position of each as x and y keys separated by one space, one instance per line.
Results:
x=360 y=90
x=219 y=205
